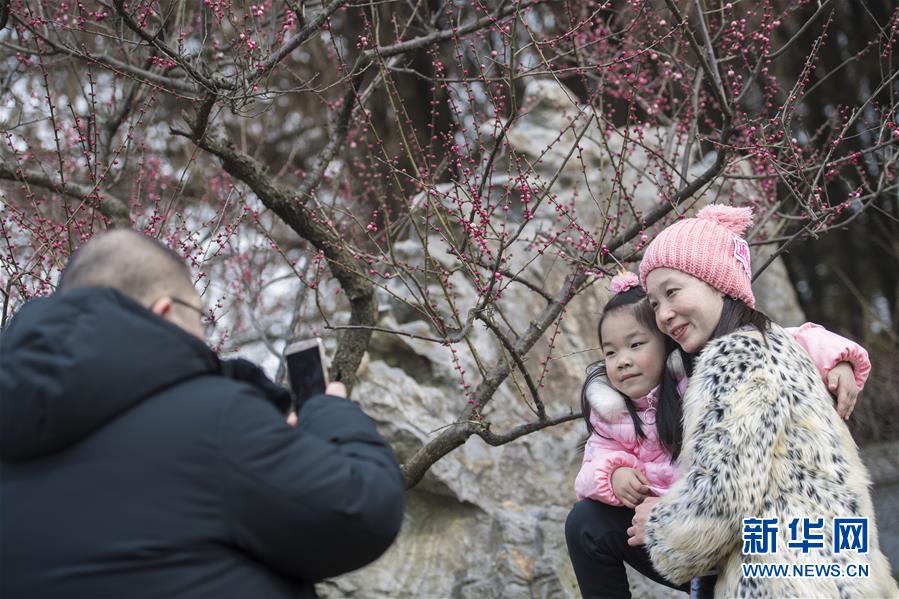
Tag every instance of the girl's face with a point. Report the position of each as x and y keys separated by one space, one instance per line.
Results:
x=687 y=309
x=635 y=356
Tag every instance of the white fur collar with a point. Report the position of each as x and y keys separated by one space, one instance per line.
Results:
x=604 y=400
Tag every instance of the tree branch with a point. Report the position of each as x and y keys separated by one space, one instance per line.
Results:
x=293 y=43
x=684 y=193
x=466 y=426
x=111 y=207
x=160 y=45
x=535 y=393
x=115 y=65
x=711 y=69
x=520 y=431
x=291 y=206
x=798 y=34
x=443 y=35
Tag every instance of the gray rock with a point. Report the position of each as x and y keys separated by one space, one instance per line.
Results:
x=882 y=461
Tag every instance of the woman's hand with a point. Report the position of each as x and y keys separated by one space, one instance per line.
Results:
x=637 y=532
x=841 y=384
x=630 y=486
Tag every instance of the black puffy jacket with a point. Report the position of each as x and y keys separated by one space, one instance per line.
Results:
x=134 y=463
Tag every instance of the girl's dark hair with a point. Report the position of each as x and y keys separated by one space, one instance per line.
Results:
x=669 y=415
x=635 y=300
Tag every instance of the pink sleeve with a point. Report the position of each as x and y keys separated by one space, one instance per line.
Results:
x=602 y=456
x=829 y=349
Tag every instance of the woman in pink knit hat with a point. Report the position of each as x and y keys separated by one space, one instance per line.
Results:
x=761 y=440
x=596 y=529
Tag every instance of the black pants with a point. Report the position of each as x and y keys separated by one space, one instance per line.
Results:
x=597 y=545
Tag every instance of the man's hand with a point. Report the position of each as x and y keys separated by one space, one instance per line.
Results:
x=841 y=384
x=637 y=532
x=336 y=389
x=629 y=486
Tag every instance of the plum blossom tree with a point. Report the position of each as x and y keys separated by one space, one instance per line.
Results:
x=289 y=149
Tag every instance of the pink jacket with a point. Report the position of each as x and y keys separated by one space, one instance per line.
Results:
x=617 y=444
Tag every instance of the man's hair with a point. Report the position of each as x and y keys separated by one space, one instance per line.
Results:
x=136 y=265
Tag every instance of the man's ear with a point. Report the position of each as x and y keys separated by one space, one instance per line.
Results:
x=161 y=306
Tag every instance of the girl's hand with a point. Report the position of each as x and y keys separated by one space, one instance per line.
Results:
x=630 y=486
x=841 y=384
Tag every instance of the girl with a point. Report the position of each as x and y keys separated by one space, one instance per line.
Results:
x=760 y=439
x=635 y=432
x=631 y=460
x=625 y=459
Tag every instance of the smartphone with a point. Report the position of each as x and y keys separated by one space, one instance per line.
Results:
x=307 y=369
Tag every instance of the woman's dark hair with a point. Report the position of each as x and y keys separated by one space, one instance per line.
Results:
x=669 y=415
x=736 y=315
x=670 y=410
x=633 y=299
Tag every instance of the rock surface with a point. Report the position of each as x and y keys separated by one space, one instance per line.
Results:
x=882 y=460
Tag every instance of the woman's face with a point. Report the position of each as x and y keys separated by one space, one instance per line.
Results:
x=686 y=308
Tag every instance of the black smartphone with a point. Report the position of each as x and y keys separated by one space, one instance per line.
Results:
x=306 y=369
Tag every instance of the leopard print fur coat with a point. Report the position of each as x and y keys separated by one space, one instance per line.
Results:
x=762 y=439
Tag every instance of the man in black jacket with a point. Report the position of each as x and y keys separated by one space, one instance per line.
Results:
x=135 y=463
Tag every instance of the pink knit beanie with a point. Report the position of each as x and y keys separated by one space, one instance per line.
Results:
x=710 y=247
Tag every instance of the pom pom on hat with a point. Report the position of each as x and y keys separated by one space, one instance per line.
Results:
x=735 y=219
